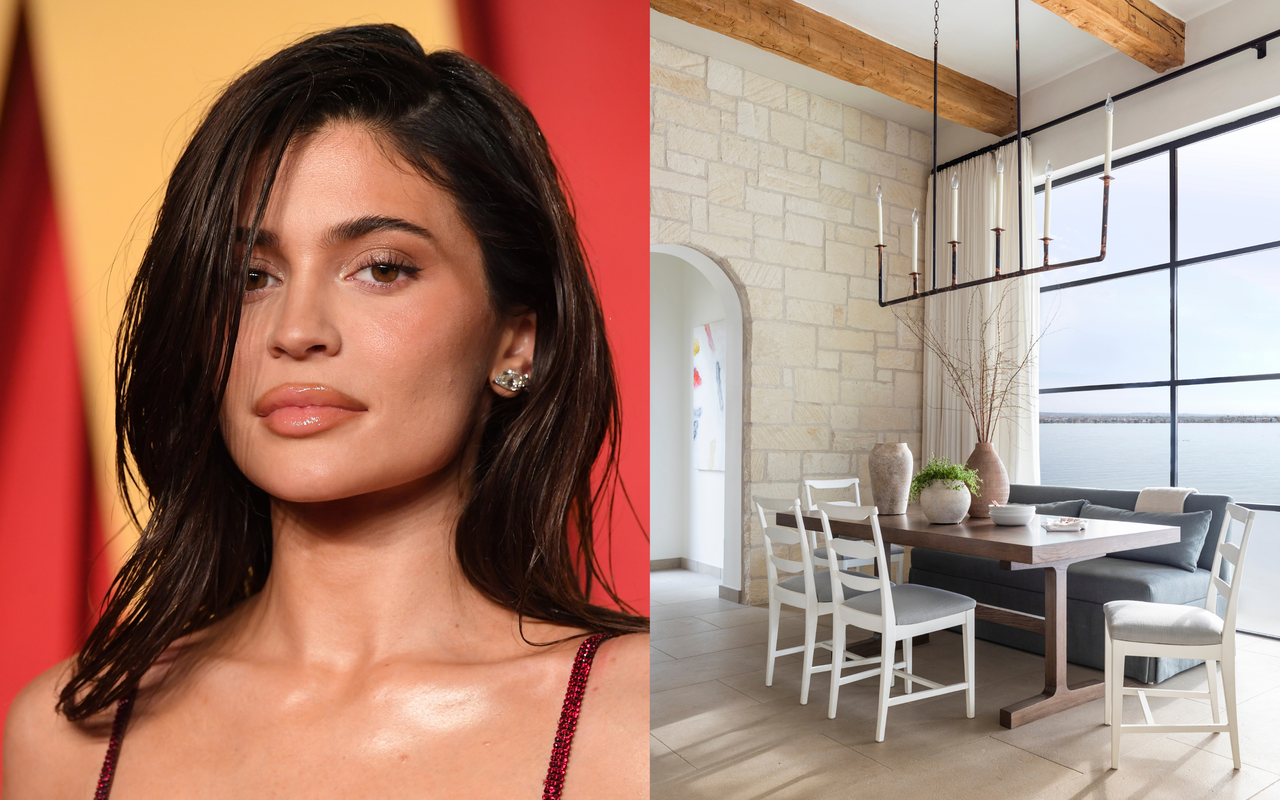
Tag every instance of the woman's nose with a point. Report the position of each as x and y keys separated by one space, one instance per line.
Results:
x=305 y=325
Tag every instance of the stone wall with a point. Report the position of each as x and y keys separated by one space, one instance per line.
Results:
x=777 y=185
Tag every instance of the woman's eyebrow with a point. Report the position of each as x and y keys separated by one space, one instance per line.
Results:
x=344 y=231
x=363 y=226
x=265 y=238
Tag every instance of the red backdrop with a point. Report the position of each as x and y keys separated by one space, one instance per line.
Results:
x=49 y=528
x=582 y=66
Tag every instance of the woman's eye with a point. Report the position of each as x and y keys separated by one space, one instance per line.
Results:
x=385 y=274
x=256 y=280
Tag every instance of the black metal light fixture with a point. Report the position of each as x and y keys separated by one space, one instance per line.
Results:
x=998 y=229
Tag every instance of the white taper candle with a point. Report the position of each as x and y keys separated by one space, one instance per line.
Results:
x=955 y=207
x=879 y=217
x=1048 y=194
x=999 y=190
x=1106 y=163
x=915 y=240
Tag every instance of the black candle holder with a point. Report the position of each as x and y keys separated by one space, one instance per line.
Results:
x=1046 y=240
x=1044 y=267
x=880 y=267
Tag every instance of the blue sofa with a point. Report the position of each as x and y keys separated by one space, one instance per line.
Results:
x=1090 y=583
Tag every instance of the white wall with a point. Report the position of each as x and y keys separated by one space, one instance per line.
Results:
x=668 y=505
x=687 y=505
x=706 y=487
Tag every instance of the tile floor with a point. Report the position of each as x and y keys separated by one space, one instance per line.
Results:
x=717 y=731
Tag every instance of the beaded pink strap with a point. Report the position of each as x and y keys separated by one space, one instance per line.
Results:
x=123 y=710
x=554 y=784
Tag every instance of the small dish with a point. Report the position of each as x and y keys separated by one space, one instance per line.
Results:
x=1011 y=515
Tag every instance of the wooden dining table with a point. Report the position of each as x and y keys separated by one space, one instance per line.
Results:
x=1017 y=548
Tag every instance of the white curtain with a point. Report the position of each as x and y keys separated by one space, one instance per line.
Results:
x=948 y=427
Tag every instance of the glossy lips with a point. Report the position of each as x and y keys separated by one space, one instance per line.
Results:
x=292 y=410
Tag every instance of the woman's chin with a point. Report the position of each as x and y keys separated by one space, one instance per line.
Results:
x=338 y=486
x=317 y=488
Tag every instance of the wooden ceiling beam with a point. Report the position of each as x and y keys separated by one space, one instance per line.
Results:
x=799 y=33
x=1140 y=29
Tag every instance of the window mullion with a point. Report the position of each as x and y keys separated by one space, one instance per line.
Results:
x=1173 y=317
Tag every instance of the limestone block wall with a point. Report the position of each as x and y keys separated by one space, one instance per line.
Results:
x=777 y=185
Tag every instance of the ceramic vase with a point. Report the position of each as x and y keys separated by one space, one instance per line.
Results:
x=891 y=468
x=942 y=505
x=995 y=479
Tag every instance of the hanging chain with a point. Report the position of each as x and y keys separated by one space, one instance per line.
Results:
x=933 y=172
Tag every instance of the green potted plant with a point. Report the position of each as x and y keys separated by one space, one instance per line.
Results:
x=944 y=490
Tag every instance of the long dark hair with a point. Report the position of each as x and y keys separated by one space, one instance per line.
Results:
x=525 y=538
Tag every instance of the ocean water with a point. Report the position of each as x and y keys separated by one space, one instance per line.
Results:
x=1238 y=459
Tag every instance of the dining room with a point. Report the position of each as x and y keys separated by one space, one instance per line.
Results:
x=960 y=369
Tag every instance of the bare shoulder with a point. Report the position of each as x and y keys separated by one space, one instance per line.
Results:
x=621 y=671
x=45 y=755
x=610 y=755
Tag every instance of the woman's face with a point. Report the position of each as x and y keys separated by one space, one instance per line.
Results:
x=367 y=339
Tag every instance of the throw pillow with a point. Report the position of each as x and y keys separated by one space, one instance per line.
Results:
x=1182 y=554
x=1062 y=508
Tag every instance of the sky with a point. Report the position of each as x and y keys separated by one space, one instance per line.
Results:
x=1228 y=310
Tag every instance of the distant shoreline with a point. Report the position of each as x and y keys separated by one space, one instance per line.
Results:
x=1095 y=419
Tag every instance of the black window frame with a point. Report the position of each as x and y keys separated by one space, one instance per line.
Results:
x=1171 y=266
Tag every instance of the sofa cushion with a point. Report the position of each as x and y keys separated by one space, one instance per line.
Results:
x=1062 y=508
x=1182 y=554
x=1100 y=580
x=1097 y=580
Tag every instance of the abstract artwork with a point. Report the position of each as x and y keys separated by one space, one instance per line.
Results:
x=708 y=396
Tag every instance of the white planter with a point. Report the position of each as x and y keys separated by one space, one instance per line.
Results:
x=943 y=506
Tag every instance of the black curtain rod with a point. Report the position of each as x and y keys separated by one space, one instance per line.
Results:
x=1259 y=44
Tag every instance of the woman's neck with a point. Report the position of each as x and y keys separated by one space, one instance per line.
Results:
x=359 y=581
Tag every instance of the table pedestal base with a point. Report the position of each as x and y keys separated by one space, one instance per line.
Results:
x=1049 y=702
x=1057 y=696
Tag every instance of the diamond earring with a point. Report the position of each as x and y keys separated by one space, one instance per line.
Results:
x=512 y=380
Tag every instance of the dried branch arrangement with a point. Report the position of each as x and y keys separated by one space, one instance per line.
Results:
x=983 y=369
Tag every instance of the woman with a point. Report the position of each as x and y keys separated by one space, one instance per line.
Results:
x=363 y=381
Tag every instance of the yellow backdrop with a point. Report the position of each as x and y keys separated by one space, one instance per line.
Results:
x=123 y=84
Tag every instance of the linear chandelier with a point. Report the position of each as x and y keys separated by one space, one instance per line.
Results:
x=998 y=229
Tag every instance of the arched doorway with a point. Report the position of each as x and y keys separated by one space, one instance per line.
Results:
x=685 y=283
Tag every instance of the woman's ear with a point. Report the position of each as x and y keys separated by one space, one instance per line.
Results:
x=511 y=370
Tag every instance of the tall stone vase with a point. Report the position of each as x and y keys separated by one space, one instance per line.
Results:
x=891 y=469
x=995 y=479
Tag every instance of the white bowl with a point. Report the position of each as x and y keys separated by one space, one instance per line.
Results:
x=1012 y=514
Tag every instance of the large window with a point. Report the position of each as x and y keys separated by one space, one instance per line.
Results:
x=1161 y=364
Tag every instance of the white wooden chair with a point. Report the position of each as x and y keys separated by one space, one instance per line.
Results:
x=1136 y=628
x=805 y=589
x=896 y=551
x=896 y=612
